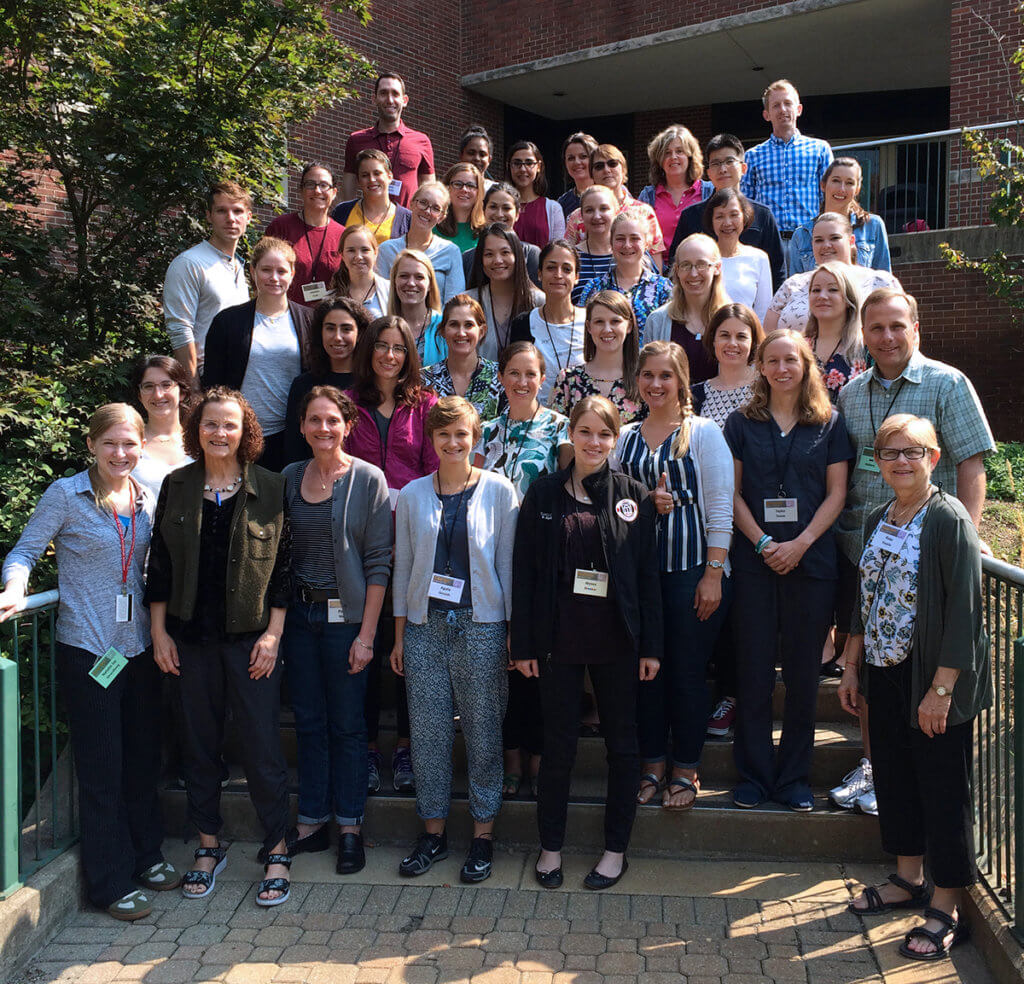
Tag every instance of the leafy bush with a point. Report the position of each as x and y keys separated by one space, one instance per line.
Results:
x=1005 y=473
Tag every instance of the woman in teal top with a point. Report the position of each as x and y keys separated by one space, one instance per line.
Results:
x=462 y=222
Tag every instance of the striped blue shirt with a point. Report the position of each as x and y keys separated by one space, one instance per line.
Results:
x=592 y=266
x=786 y=176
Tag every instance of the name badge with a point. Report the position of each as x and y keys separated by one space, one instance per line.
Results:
x=445 y=588
x=124 y=607
x=393 y=496
x=334 y=612
x=315 y=291
x=105 y=670
x=890 y=538
x=591 y=583
x=780 y=511
x=866 y=460
x=394 y=187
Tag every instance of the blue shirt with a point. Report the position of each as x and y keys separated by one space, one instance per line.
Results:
x=786 y=176
x=872 y=246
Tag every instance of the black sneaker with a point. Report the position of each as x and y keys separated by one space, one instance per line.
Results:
x=429 y=848
x=477 y=866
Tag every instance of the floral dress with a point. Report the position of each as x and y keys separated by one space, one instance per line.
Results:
x=573 y=384
x=484 y=391
x=888 y=594
x=523 y=450
x=837 y=372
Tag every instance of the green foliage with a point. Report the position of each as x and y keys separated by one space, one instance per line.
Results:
x=1005 y=473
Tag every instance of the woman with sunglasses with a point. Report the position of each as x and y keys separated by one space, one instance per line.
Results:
x=541 y=219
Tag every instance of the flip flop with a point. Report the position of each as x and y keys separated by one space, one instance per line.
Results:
x=684 y=785
x=648 y=781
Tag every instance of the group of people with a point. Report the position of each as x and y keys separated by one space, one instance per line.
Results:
x=608 y=459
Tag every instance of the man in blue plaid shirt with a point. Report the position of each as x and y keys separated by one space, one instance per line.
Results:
x=785 y=172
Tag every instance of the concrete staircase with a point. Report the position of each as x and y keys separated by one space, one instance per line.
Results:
x=714 y=828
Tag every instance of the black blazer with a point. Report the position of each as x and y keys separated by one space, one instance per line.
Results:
x=630 y=548
x=226 y=353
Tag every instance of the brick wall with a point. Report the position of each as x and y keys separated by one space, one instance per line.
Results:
x=652 y=121
x=963 y=325
x=979 y=85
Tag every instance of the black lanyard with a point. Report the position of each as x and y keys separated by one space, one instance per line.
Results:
x=309 y=245
x=449 y=534
x=780 y=473
x=509 y=473
x=576 y=528
x=888 y=409
x=551 y=341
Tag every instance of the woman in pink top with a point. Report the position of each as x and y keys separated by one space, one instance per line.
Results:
x=541 y=219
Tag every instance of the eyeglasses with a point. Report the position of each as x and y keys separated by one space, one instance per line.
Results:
x=724 y=163
x=317 y=185
x=464 y=185
x=524 y=164
x=428 y=207
x=601 y=165
x=914 y=453
x=150 y=388
x=701 y=266
x=382 y=348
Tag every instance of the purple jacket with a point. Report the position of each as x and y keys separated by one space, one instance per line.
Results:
x=408 y=453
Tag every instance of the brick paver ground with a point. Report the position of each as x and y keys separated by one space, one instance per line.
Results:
x=667 y=922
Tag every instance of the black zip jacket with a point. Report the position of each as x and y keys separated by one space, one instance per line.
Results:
x=630 y=549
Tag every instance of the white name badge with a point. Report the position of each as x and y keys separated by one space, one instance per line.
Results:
x=445 y=588
x=890 y=538
x=592 y=583
x=315 y=291
x=334 y=612
x=395 y=187
x=780 y=511
x=393 y=496
x=866 y=460
x=124 y=607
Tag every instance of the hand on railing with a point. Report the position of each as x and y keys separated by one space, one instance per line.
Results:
x=12 y=600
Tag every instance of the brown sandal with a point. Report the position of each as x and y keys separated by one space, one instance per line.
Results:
x=648 y=781
x=685 y=785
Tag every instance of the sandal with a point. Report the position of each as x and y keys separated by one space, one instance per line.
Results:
x=937 y=938
x=282 y=885
x=648 y=781
x=684 y=785
x=510 y=784
x=920 y=895
x=205 y=878
x=160 y=877
x=130 y=907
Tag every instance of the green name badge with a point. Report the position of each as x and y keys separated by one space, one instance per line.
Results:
x=107 y=667
x=866 y=460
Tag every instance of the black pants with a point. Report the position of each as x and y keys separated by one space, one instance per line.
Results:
x=787 y=616
x=923 y=784
x=214 y=676
x=725 y=661
x=383 y=643
x=115 y=736
x=523 y=726
x=615 y=687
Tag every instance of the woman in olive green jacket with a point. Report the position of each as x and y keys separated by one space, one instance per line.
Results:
x=218 y=585
x=918 y=645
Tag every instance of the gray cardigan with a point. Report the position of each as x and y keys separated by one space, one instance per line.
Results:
x=361 y=526
x=950 y=628
x=491 y=528
x=658 y=327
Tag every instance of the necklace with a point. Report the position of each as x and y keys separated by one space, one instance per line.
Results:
x=904 y=516
x=369 y=221
x=217 y=492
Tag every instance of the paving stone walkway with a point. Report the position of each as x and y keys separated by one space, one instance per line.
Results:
x=667 y=922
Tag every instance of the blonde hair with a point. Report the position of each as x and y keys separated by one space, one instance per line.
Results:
x=107 y=416
x=681 y=367
x=851 y=342
x=813 y=405
x=778 y=84
x=717 y=296
x=918 y=428
x=658 y=147
x=270 y=244
x=448 y=224
x=447 y=411
x=433 y=291
x=442 y=189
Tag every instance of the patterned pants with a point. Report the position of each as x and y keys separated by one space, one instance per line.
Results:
x=452 y=662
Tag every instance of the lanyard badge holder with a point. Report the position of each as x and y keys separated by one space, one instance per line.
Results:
x=783 y=508
x=586 y=583
x=105 y=670
x=444 y=587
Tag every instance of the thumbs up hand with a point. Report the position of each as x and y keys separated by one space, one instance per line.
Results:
x=662 y=497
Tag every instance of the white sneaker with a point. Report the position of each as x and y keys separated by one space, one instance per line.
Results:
x=867 y=803
x=856 y=783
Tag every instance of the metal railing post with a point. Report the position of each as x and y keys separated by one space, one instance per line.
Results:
x=1017 y=888
x=10 y=732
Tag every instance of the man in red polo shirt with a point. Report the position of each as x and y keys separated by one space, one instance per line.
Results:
x=410 y=152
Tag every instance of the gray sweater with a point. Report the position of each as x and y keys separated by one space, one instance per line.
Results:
x=491 y=528
x=361 y=526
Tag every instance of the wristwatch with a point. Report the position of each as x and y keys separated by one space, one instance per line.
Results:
x=941 y=691
x=716 y=564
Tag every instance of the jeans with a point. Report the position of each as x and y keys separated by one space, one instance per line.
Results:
x=329 y=721
x=678 y=696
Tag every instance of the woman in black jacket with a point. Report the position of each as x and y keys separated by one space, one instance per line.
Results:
x=586 y=595
x=259 y=347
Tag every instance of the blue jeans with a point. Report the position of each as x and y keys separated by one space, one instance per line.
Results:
x=329 y=721
x=678 y=697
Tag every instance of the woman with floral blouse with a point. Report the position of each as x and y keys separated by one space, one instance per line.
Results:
x=833 y=326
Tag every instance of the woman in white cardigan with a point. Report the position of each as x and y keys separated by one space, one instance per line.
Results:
x=452 y=587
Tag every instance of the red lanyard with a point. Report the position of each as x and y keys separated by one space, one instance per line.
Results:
x=125 y=560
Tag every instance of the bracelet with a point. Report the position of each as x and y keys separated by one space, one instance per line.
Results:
x=762 y=543
x=363 y=644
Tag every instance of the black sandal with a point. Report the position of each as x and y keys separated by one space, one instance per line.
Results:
x=648 y=781
x=683 y=785
x=937 y=938
x=920 y=895
x=205 y=878
x=282 y=885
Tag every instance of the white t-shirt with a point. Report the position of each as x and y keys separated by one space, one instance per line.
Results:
x=748 y=279
x=561 y=346
x=274 y=362
x=150 y=472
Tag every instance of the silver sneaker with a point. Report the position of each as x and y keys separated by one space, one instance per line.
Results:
x=856 y=783
x=867 y=803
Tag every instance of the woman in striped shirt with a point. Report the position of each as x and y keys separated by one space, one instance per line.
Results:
x=685 y=462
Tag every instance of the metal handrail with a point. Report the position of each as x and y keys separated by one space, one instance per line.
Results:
x=922 y=137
